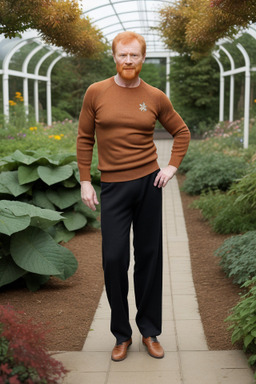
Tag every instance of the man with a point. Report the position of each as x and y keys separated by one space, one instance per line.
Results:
x=122 y=111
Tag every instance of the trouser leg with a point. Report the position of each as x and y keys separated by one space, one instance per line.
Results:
x=147 y=226
x=116 y=217
x=136 y=201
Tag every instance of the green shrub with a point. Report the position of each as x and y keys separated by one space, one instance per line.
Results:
x=60 y=115
x=211 y=203
x=233 y=219
x=213 y=171
x=225 y=213
x=192 y=156
x=237 y=257
x=243 y=320
x=245 y=189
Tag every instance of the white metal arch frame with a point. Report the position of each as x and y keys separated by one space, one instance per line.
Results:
x=140 y=11
x=233 y=71
x=114 y=16
x=15 y=45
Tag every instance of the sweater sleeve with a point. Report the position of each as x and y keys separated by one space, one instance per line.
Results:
x=86 y=136
x=175 y=125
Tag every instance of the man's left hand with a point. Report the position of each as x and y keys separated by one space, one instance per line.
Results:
x=164 y=175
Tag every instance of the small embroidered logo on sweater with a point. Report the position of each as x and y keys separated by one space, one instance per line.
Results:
x=143 y=107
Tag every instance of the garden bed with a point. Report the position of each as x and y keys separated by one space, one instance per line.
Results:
x=67 y=307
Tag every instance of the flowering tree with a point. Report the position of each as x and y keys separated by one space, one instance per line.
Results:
x=242 y=9
x=59 y=22
x=193 y=26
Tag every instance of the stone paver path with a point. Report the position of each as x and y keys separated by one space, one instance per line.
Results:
x=187 y=358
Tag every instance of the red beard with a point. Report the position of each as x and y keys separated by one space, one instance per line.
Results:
x=128 y=72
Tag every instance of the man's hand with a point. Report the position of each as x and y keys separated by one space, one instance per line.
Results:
x=164 y=175
x=88 y=195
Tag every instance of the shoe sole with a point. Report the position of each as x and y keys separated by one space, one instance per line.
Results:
x=117 y=360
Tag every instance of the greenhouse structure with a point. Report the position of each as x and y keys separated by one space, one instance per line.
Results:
x=37 y=59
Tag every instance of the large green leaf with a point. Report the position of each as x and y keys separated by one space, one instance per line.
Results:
x=27 y=174
x=9 y=271
x=93 y=223
x=42 y=218
x=62 y=234
x=34 y=281
x=10 y=224
x=76 y=171
x=40 y=157
x=44 y=157
x=54 y=175
x=41 y=200
x=35 y=251
x=64 y=158
x=23 y=158
x=7 y=163
x=81 y=207
x=11 y=182
x=70 y=263
x=64 y=198
x=4 y=190
x=70 y=183
x=74 y=220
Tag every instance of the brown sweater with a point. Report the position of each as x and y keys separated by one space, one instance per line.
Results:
x=124 y=120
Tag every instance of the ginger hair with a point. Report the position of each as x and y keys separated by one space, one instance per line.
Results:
x=128 y=36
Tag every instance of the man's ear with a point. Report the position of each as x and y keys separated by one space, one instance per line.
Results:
x=144 y=58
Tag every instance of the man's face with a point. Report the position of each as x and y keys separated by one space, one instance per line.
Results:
x=129 y=59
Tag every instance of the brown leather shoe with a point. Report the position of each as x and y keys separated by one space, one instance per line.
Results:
x=154 y=347
x=119 y=352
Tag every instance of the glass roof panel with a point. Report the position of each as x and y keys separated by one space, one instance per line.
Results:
x=114 y=16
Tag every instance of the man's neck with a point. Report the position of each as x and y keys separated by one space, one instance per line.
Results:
x=127 y=83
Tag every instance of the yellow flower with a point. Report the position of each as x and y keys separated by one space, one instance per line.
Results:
x=50 y=137
x=18 y=96
x=11 y=102
x=254 y=100
x=33 y=128
x=61 y=134
x=57 y=137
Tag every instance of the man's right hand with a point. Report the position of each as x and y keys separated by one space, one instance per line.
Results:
x=88 y=195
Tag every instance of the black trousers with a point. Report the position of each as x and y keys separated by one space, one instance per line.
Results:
x=139 y=203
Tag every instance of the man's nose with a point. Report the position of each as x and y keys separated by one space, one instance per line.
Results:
x=128 y=59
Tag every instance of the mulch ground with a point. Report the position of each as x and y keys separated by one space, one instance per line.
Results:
x=67 y=308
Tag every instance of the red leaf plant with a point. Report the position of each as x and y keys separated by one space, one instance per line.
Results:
x=23 y=355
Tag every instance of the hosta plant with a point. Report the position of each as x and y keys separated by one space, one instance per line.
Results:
x=49 y=182
x=40 y=206
x=27 y=250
